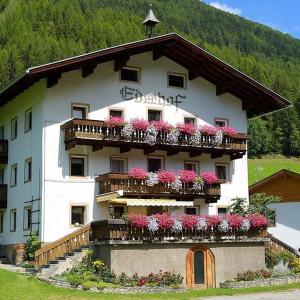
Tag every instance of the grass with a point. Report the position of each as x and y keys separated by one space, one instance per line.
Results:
x=16 y=286
x=259 y=169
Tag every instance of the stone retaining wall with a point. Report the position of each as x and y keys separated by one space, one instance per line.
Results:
x=260 y=282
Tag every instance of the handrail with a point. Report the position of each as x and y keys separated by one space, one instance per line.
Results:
x=62 y=246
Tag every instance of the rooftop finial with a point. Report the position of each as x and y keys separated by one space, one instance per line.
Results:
x=150 y=22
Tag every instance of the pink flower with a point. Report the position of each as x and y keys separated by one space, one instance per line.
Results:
x=114 y=122
x=165 y=221
x=189 y=221
x=166 y=176
x=139 y=124
x=162 y=126
x=213 y=220
x=188 y=128
x=234 y=221
x=258 y=221
x=139 y=221
x=208 y=130
x=137 y=173
x=209 y=177
x=228 y=130
x=187 y=176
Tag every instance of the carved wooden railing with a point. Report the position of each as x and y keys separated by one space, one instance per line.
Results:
x=61 y=247
x=112 y=182
x=3 y=196
x=84 y=131
x=3 y=151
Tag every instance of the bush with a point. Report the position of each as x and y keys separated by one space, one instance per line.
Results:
x=295 y=265
x=32 y=245
x=273 y=258
x=252 y=275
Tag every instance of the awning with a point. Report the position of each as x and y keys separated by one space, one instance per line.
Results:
x=109 y=196
x=150 y=202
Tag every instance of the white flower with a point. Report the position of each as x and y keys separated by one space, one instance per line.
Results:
x=201 y=224
x=177 y=226
x=151 y=134
x=224 y=226
x=177 y=184
x=152 y=179
x=218 y=138
x=245 y=226
x=173 y=136
x=198 y=184
x=127 y=131
x=196 y=138
x=152 y=224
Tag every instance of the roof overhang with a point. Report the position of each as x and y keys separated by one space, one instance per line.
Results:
x=256 y=98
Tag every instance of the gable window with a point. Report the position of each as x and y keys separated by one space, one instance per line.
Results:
x=1 y=132
x=13 y=220
x=80 y=111
x=78 y=215
x=155 y=163
x=14 y=128
x=118 y=164
x=219 y=122
x=78 y=165
x=27 y=218
x=115 y=113
x=1 y=176
x=222 y=211
x=154 y=115
x=14 y=175
x=222 y=172
x=28 y=170
x=191 y=166
x=190 y=121
x=130 y=74
x=28 y=120
x=1 y=221
x=176 y=80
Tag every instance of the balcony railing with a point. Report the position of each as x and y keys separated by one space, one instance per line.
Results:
x=3 y=196
x=3 y=152
x=112 y=182
x=98 y=135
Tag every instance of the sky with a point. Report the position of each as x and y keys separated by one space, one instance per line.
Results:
x=283 y=15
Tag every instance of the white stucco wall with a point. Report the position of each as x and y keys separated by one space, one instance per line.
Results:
x=287 y=227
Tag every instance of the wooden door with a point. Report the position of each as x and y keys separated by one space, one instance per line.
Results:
x=200 y=268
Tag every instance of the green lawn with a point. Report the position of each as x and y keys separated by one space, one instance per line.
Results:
x=16 y=286
x=262 y=168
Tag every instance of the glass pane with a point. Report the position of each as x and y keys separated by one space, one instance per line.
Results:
x=154 y=115
x=77 y=166
x=191 y=211
x=220 y=123
x=221 y=172
x=190 y=166
x=1 y=132
x=79 y=112
x=189 y=121
x=115 y=113
x=199 y=267
x=118 y=166
x=28 y=120
x=77 y=215
x=222 y=211
x=154 y=164
x=176 y=81
x=1 y=176
x=129 y=75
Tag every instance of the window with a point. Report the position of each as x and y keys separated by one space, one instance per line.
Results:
x=221 y=122
x=130 y=74
x=221 y=172
x=191 y=210
x=14 y=128
x=28 y=170
x=78 y=166
x=154 y=115
x=14 y=175
x=78 y=215
x=1 y=132
x=155 y=163
x=1 y=176
x=27 y=218
x=190 y=121
x=191 y=166
x=1 y=221
x=222 y=211
x=176 y=80
x=13 y=220
x=118 y=212
x=118 y=165
x=116 y=113
x=28 y=120
x=80 y=111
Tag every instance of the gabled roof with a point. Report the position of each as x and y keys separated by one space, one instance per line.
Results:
x=256 y=98
x=284 y=173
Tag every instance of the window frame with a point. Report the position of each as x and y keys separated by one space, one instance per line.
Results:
x=116 y=110
x=193 y=207
x=29 y=110
x=139 y=75
x=222 y=207
x=155 y=110
x=192 y=162
x=191 y=118
x=85 y=167
x=2 y=132
x=85 y=214
x=226 y=171
x=125 y=159
x=85 y=106
x=14 y=166
x=14 y=135
x=1 y=221
x=27 y=227
x=226 y=121
x=161 y=157
x=13 y=220
x=2 y=175
x=28 y=160
x=179 y=75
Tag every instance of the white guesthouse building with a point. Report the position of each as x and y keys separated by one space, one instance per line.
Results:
x=62 y=166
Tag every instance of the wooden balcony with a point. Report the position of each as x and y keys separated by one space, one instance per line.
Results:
x=3 y=152
x=3 y=196
x=112 y=182
x=98 y=135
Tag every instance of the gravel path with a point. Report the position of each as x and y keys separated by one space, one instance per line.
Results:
x=287 y=295
x=12 y=268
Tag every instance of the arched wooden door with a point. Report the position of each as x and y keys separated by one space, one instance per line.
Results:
x=200 y=268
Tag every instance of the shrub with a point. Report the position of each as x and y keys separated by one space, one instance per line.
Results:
x=32 y=245
x=252 y=275
x=295 y=265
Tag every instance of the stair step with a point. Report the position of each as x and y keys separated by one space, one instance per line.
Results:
x=53 y=262
x=46 y=266
x=61 y=258
x=78 y=250
x=70 y=254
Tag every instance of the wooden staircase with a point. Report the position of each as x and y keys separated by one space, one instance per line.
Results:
x=58 y=250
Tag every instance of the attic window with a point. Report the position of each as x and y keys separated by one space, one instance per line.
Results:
x=130 y=74
x=176 y=80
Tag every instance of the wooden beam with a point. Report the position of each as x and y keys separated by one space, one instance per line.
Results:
x=121 y=62
x=97 y=147
x=197 y=71
x=158 y=52
x=222 y=87
x=125 y=148
x=172 y=152
x=88 y=70
x=52 y=80
x=70 y=145
x=195 y=153
x=236 y=156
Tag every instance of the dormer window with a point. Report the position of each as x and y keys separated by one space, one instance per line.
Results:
x=130 y=74
x=176 y=80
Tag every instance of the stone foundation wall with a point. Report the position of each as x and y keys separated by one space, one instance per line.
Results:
x=231 y=257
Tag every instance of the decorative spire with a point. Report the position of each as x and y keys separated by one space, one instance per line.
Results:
x=150 y=22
